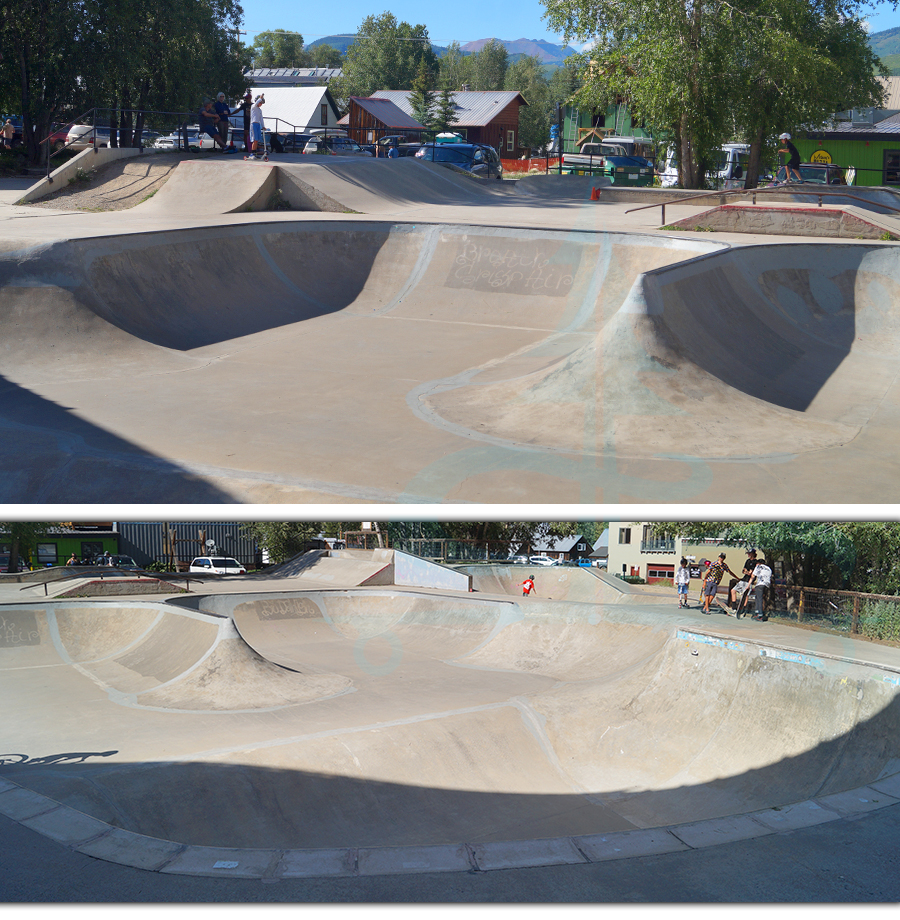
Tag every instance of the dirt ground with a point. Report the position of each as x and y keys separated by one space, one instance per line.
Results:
x=118 y=185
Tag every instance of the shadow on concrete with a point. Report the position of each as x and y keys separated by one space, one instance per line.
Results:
x=49 y=454
x=245 y=805
x=776 y=321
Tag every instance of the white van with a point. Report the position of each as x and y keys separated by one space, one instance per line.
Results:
x=729 y=171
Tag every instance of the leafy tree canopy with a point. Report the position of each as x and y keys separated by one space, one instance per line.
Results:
x=386 y=54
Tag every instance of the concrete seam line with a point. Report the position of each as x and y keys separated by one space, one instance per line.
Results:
x=183 y=848
x=584 y=856
x=470 y=856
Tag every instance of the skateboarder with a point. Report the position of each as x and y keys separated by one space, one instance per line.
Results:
x=527 y=586
x=256 y=125
x=793 y=163
x=760 y=580
x=682 y=581
x=711 y=579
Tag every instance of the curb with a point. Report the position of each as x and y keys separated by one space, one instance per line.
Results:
x=92 y=837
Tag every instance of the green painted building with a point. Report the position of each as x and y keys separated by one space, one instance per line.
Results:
x=87 y=541
x=874 y=152
x=581 y=125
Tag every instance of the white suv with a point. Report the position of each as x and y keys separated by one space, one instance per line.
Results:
x=217 y=565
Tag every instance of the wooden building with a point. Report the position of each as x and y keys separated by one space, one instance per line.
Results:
x=482 y=117
x=371 y=118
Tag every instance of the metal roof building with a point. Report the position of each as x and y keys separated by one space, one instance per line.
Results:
x=291 y=76
x=486 y=117
x=297 y=108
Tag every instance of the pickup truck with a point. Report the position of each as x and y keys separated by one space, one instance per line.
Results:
x=611 y=161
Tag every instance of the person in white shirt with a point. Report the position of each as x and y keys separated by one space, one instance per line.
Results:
x=256 y=125
x=682 y=580
x=760 y=580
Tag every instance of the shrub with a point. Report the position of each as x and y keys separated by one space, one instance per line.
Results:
x=880 y=620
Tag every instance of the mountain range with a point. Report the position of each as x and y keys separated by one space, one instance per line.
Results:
x=546 y=51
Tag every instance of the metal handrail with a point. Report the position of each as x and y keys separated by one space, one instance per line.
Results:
x=754 y=192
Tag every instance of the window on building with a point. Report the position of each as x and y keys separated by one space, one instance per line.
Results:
x=90 y=550
x=324 y=113
x=891 y=167
x=624 y=535
x=510 y=140
x=47 y=554
x=660 y=571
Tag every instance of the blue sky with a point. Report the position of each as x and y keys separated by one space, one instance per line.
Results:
x=463 y=20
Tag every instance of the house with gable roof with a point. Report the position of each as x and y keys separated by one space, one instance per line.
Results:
x=371 y=118
x=482 y=116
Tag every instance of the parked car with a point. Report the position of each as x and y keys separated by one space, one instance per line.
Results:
x=541 y=560
x=4 y=563
x=124 y=562
x=58 y=136
x=817 y=173
x=290 y=142
x=80 y=137
x=335 y=145
x=17 y=127
x=217 y=565
x=478 y=159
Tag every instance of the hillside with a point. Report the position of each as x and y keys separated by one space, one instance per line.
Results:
x=546 y=51
x=885 y=43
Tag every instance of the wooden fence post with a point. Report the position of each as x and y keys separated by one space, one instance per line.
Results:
x=854 y=626
x=800 y=608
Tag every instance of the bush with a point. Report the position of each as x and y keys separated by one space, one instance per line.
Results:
x=880 y=620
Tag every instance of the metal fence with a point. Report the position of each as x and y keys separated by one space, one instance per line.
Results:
x=453 y=551
x=873 y=615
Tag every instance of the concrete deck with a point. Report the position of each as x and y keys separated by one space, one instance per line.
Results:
x=354 y=732
x=447 y=341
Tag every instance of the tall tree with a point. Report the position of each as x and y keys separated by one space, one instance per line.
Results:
x=489 y=66
x=282 y=539
x=527 y=77
x=386 y=54
x=324 y=56
x=47 y=47
x=23 y=537
x=703 y=70
x=279 y=49
x=444 y=114
x=800 y=63
x=421 y=99
x=456 y=68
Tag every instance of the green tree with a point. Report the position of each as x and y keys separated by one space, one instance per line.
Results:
x=421 y=99
x=23 y=537
x=456 y=68
x=800 y=64
x=279 y=49
x=489 y=66
x=45 y=48
x=324 y=56
x=282 y=539
x=706 y=71
x=386 y=54
x=527 y=77
x=814 y=553
x=444 y=114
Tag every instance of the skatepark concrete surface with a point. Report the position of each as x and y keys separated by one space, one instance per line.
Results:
x=273 y=729
x=409 y=334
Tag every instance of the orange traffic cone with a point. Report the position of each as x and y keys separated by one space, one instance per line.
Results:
x=595 y=194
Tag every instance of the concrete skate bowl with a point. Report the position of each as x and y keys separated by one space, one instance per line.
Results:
x=356 y=720
x=794 y=343
x=325 y=337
